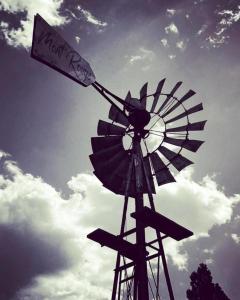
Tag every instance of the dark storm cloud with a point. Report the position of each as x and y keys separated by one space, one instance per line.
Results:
x=24 y=254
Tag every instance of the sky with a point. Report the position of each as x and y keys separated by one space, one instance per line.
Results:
x=49 y=198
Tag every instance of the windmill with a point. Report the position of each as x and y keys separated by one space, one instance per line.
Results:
x=134 y=150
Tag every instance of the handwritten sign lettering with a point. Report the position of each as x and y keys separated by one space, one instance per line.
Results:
x=51 y=49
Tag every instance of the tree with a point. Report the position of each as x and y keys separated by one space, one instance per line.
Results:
x=202 y=287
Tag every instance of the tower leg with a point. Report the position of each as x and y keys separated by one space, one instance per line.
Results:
x=164 y=261
x=141 y=264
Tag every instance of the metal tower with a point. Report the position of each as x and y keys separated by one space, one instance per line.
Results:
x=145 y=136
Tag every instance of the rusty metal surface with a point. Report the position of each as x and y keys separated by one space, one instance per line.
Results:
x=51 y=49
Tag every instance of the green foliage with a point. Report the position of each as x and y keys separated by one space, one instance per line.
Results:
x=202 y=287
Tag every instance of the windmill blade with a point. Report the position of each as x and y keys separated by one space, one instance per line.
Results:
x=177 y=160
x=189 y=111
x=191 y=145
x=143 y=95
x=118 y=116
x=189 y=127
x=133 y=101
x=102 y=143
x=188 y=95
x=108 y=152
x=178 y=84
x=163 y=175
x=117 y=180
x=51 y=49
x=106 y=166
x=105 y=128
x=157 y=94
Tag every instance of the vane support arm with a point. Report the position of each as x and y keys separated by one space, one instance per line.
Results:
x=104 y=92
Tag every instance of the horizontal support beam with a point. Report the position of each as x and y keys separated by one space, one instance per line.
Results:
x=116 y=243
x=156 y=240
x=132 y=264
x=161 y=223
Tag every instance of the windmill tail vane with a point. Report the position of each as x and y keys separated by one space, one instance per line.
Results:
x=145 y=141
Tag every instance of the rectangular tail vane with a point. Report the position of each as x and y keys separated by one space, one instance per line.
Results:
x=51 y=49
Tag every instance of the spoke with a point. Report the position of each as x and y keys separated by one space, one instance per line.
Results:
x=155 y=123
x=157 y=131
x=157 y=134
x=145 y=143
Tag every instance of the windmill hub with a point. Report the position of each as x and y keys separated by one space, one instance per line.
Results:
x=139 y=118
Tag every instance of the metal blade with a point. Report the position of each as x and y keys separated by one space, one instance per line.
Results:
x=102 y=143
x=191 y=145
x=116 y=116
x=177 y=160
x=105 y=128
x=107 y=166
x=178 y=84
x=189 y=127
x=157 y=94
x=143 y=95
x=189 y=94
x=133 y=101
x=163 y=175
x=51 y=49
x=109 y=152
x=128 y=97
x=117 y=180
x=189 y=111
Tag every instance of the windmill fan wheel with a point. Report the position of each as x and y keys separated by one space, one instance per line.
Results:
x=162 y=122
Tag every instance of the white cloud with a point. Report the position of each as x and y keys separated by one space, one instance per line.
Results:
x=171 y=28
x=236 y=238
x=60 y=226
x=90 y=18
x=202 y=29
x=22 y=36
x=172 y=56
x=220 y=37
x=27 y=201
x=181 y=45
x=77 y=38
x=165 y=43
x=144 y=56
x=170 y=12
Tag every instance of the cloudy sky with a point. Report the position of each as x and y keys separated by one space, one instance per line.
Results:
x=49 y=199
